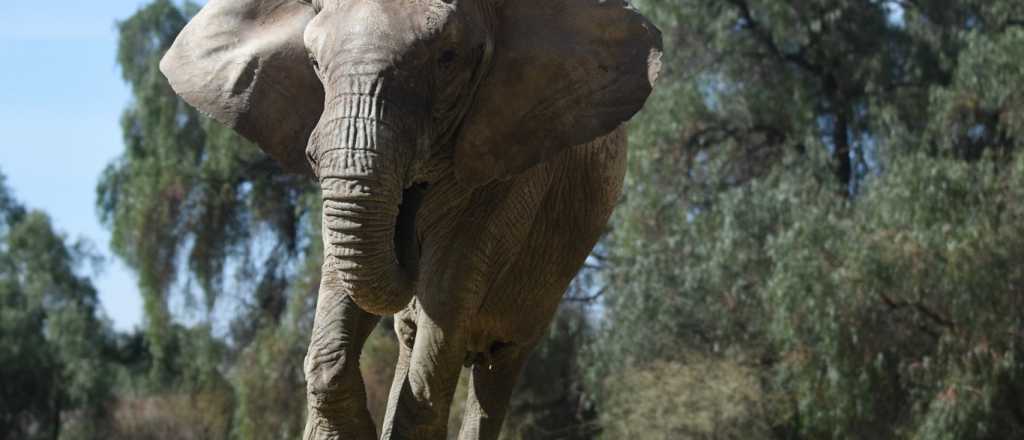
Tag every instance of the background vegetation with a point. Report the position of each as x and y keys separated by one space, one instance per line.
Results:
x=822 y=236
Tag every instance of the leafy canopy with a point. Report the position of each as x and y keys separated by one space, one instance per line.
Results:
x=55 y=346
x=825 y=195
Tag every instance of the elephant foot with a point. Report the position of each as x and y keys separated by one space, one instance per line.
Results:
x=319 y=428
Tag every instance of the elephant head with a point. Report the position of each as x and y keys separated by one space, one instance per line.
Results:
x=363 y=93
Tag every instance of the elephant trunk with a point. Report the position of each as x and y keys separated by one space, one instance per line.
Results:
x=369 y=244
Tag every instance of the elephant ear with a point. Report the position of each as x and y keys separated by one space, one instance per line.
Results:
x=244 y=63
x=565 y=72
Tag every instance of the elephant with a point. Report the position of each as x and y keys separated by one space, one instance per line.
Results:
x=469 y=155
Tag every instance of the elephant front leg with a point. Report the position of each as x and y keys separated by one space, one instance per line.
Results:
x=492 y=382
x=425 y=380
x=334 y=386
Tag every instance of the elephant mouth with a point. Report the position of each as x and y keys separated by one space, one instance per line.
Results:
x=406 y=242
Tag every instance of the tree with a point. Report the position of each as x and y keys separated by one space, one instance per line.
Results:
x=224 y=244
x=189 y=199
x=919 y=334
x=820 y=198
x=54 y=343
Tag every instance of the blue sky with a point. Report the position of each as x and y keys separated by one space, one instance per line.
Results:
x=61 y=97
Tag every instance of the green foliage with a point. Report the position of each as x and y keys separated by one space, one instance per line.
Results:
x=695 y=399
x=190 y=198
x=173 y=416
x=54 y=380
x=878 y=298
x=917 y=298
x=268 y=377
x=226 y=249
x=270 y=385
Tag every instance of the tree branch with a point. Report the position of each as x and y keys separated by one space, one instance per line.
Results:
x=764 y=37
x=921 y=308
x=587 y=298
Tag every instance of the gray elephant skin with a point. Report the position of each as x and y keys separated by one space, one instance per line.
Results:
x=469 y=154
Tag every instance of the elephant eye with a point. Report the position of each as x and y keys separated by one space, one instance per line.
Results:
x=313 y=62
x=316 y=4
x=447 y=57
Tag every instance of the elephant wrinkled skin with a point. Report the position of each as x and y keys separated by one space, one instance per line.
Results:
x=469 y=154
